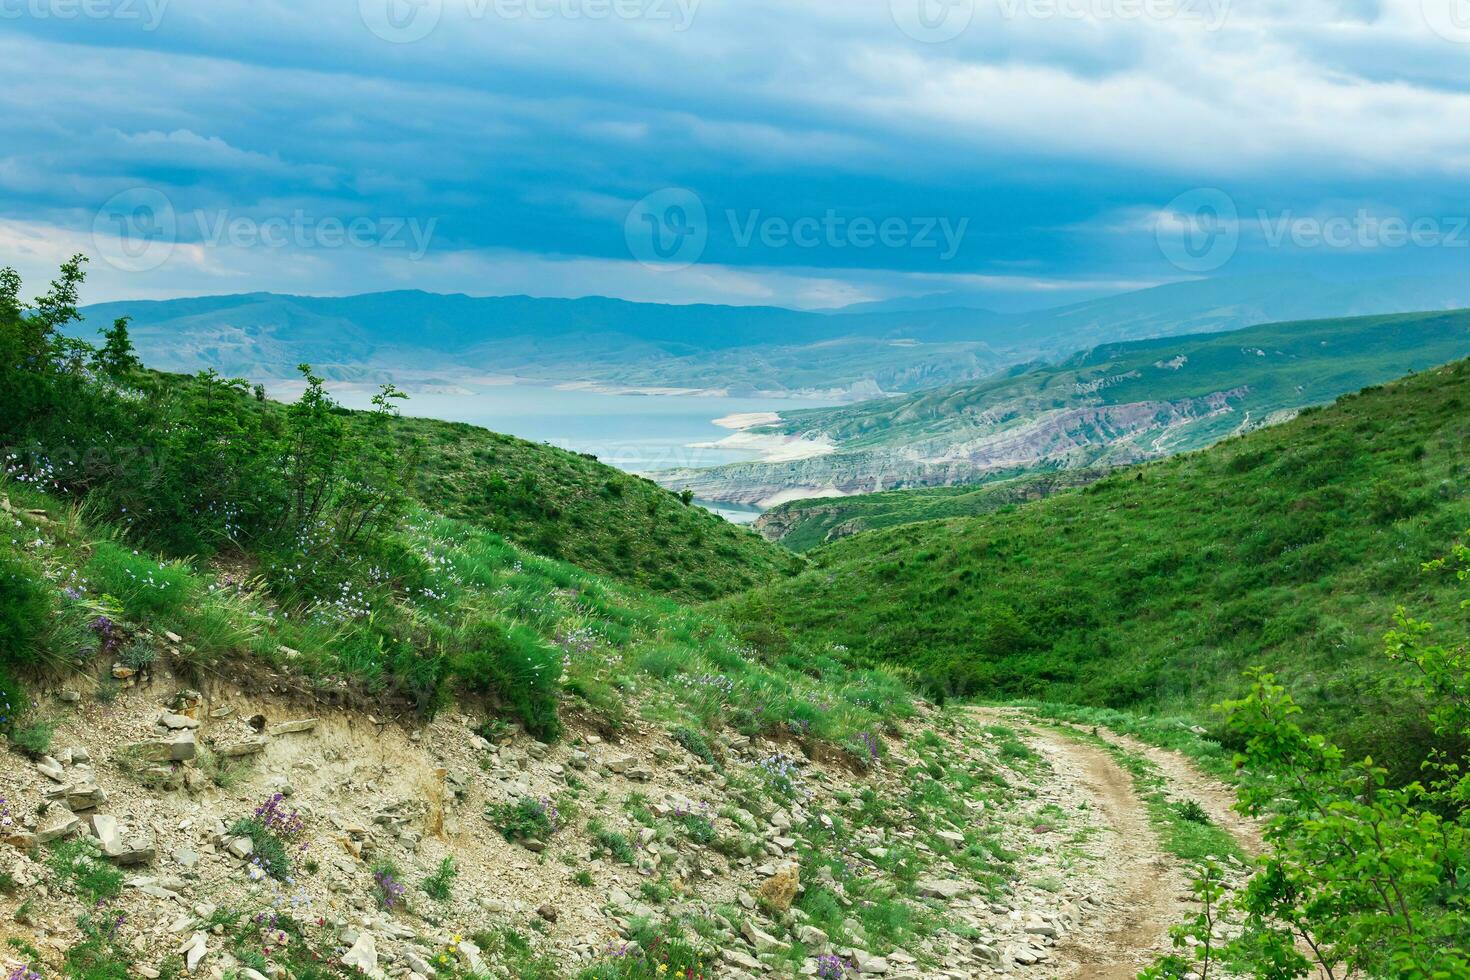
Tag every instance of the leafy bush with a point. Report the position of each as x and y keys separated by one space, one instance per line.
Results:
x=659 y=954
x=25 y=609
x=525 y=819
x=139 y=655
x=1191 y=811
x=388 y=887
x=610 y=842
x=267 y=850
x=697 y=827
x=439 y=885
x=145 y=588
x=1360 y=878
x=81 y=870
x=33 y=739
x=517 y=667
x=697 y=745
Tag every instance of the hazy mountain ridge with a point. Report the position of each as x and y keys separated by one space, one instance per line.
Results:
x=417 y=337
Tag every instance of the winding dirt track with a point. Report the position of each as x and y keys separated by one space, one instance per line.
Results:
x=1143 y=891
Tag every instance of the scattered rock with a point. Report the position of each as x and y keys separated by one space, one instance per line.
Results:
x=194 y=951
x=294 y=727
x=363 y=955
x=780 y=890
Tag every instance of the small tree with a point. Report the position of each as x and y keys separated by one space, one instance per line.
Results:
x=1361 y=878
x=116 y=358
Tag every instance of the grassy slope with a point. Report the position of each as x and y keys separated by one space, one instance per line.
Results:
x=802 y=525
x=612 y=641
x=569 y=506
x=1288 y=547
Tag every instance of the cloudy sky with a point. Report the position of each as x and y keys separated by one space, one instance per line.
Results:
x=809 y=153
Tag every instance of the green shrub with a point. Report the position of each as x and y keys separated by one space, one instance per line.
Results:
x=139 y=655
x=696 y=743
x=25 y=610
x=1191 y=811
x=144 y=588
x=697 y=828
x=388 y=887
x=525 y=819
x=610 y=842
x=267 y=850
x=439 y=885
x=659 y=953
x=511 y=948
x=33 y=739
x=80 y=869
x=517 y=667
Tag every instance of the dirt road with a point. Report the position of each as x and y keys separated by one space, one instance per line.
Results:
x=1142 y=890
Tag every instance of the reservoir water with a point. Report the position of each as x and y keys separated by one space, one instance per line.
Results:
x=635 y=433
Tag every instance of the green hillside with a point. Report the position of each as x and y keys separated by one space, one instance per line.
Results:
x=805 y=524
x=1289 y=547
x=569 y=506
x=1113 y=404
x=307 y=542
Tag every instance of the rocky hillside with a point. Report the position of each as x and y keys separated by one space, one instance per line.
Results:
x=1112 y=405
x=230 y=831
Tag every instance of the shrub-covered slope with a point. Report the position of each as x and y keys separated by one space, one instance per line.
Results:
x=1288 y=547
x=569 y=506
x=805 y=524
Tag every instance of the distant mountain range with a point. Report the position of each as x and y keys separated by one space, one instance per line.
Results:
x=1113 y=404
x=893 y=347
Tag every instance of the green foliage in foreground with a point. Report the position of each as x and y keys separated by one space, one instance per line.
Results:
x=1359 y=878
x=1159 y=585
x=194 y=466
x=287 y=536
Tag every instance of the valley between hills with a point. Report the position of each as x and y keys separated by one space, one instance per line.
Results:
x=294 y=691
